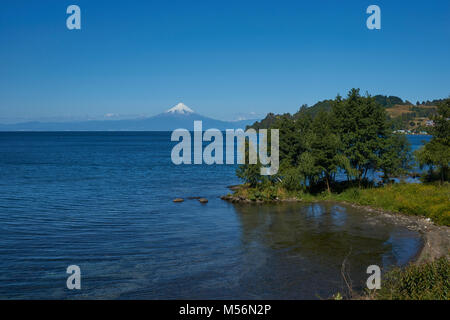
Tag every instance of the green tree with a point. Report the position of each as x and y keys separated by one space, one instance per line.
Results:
x=395 y=156
x=362 y=124
x=326 y=148
x=250 y=173
x=294 y=142
x=436 y=153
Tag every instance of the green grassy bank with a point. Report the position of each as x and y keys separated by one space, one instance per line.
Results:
x=427 y=200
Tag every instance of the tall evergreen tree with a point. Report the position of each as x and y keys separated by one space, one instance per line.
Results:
x=362 y=125
x=326 y=147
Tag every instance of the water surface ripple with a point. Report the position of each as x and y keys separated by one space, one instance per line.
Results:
x=103 y=201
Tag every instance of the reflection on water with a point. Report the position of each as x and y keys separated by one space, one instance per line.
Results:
x=297 y=250
x=220 y=251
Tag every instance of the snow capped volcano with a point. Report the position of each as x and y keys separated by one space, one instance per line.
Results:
x=177 y=117
x=180 y=108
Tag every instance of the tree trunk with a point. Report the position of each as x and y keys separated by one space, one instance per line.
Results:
x=360 y=178
x=328 y=184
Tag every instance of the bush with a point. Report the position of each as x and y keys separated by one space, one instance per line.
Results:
x=428 y=281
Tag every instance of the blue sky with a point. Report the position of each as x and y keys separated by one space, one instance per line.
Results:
x=221 y=58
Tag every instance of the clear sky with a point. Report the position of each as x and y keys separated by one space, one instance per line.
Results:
x=221 y=58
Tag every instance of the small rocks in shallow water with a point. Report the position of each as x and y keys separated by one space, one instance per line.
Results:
x=203 y=200
x=178 y=200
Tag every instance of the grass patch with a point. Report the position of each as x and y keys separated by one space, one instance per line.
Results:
x=427 y=281
x=427 y=200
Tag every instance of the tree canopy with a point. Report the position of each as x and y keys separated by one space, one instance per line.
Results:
x=352 y=136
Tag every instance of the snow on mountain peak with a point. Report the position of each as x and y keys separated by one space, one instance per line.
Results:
x=180 y=108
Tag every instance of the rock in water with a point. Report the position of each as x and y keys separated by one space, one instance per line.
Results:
x=178 y=200
x=203 y=200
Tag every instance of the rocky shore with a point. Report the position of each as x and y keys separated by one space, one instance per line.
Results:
x=436 y=238
x=240 y=199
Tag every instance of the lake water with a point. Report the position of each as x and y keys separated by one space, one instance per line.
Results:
x=103 y=201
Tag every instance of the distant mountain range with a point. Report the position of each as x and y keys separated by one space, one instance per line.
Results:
x=180 y=116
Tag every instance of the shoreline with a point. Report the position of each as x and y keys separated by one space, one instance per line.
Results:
x=436 y=238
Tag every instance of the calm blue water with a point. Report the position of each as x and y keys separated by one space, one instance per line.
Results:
x=103 y=201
